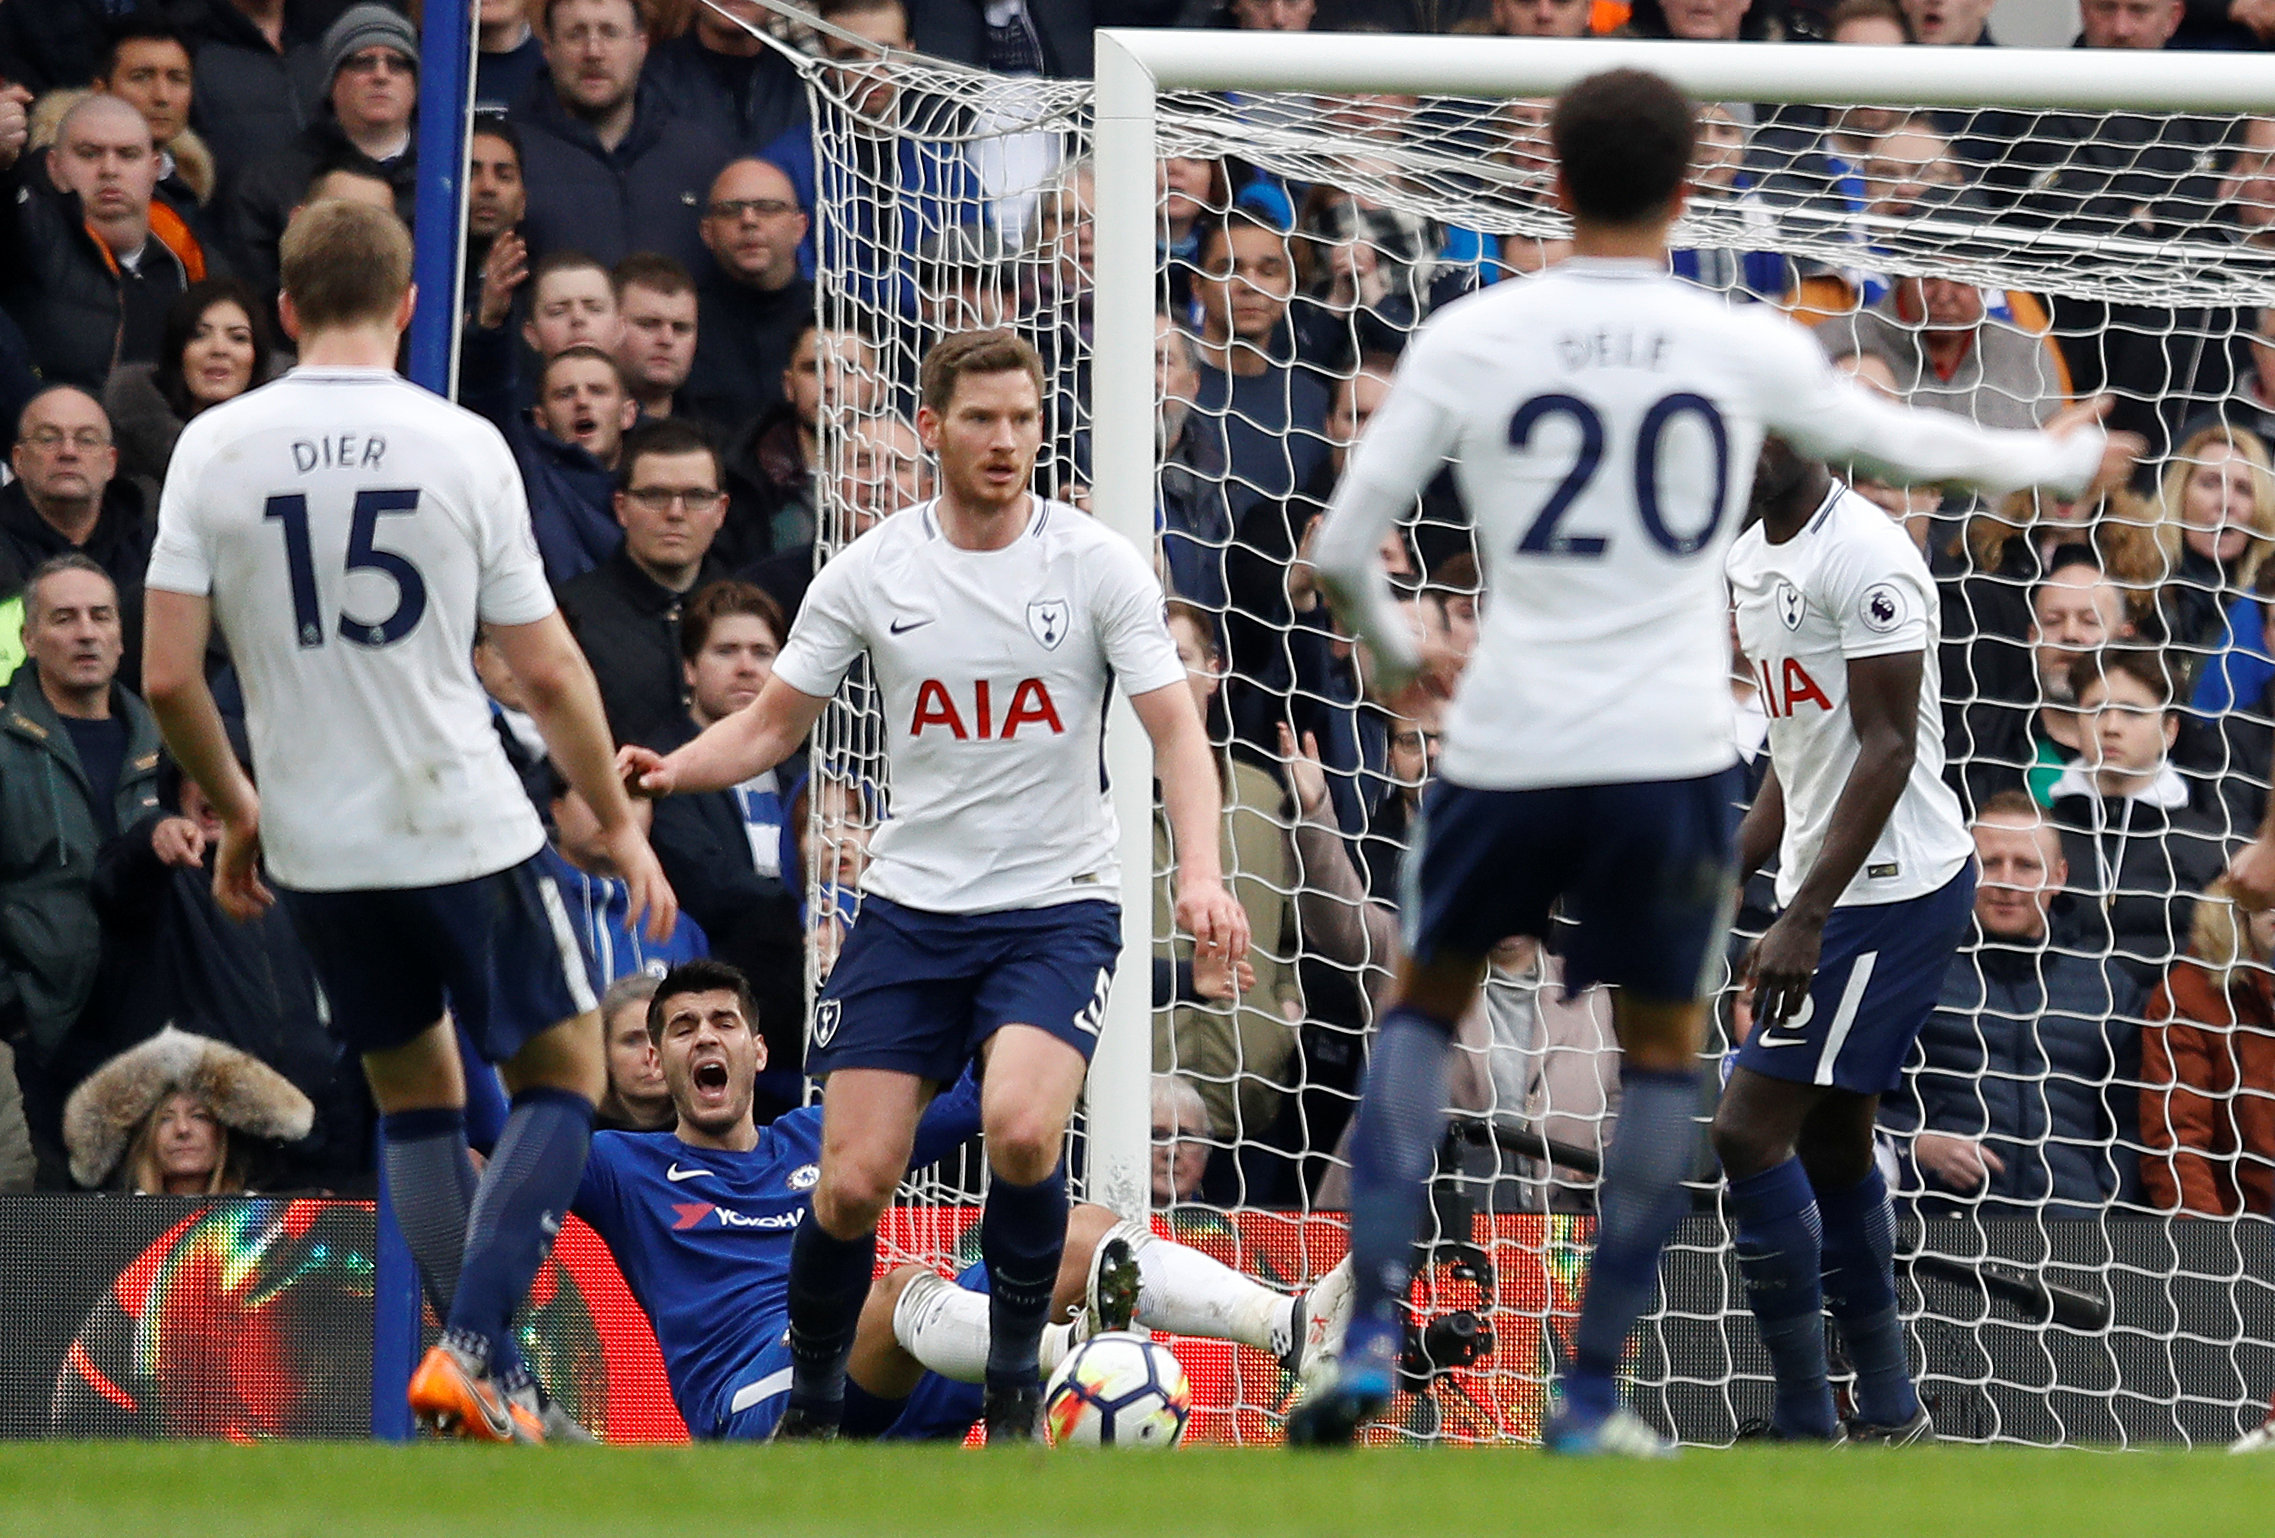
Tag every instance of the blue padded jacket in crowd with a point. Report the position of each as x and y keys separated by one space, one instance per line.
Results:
x=572 y=507
x=2029 y=1051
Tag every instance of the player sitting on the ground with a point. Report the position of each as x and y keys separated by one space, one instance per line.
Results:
x=1875 y=885
x=700 y=1219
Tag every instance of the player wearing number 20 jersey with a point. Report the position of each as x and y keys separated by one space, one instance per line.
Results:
x=1603 y=421
x=352 y=528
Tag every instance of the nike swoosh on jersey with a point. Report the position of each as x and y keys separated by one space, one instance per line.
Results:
x=675 y=1174
x=897 y=627
x=1767 y=1040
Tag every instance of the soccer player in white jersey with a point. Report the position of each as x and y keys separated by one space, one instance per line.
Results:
x=994 y=622
x=347 y=530
x=1602 y=420
x=1875 y=885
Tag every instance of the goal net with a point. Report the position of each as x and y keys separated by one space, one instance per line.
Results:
x=2083 y=1150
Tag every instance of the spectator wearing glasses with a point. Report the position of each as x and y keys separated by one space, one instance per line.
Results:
x=68 y=498
x=625 y=612
x=371 y=66
x=752 y=304
x=611 y=168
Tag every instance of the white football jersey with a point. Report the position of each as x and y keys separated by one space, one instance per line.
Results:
x=350 y=529
x=1603 y=419
x=992 y=669
x=1849 y=585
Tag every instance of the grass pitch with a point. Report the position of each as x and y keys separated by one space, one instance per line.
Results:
x=66 y=1490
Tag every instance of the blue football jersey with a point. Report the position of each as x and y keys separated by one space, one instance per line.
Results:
x=703 y=1235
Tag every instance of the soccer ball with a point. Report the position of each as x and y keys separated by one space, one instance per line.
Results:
x=1117 y=1390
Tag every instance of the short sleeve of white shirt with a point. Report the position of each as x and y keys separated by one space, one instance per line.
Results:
x=1880 y=598
x=514 y=590
x=828 y=634
x=1133 y=627
x=180 y=561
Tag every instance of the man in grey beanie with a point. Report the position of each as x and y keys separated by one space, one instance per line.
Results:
x=371 y=72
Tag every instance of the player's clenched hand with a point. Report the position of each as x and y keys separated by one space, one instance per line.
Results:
x=1207 y=912
x=237 y=884
x=643 y=874
x=1782 y=964
x=2251 y=876
x=1961 y=1163
x=643 y=771
x=177 y=841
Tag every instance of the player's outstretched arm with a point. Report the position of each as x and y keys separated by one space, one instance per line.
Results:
x=1821 y=413
x=1883 y=707
x=1186 y=767
x=176 y=627
x=751 y=741
x=557 y=684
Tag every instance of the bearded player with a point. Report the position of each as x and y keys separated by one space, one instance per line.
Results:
x=994 y=623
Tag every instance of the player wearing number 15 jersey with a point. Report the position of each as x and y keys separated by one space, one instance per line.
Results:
x=995 y=624
x=347 y=531
x=1602 y=421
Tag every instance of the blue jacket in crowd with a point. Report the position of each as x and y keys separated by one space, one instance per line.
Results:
x=2033 y=1052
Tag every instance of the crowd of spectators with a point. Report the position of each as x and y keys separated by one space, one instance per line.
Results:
x=649 y=212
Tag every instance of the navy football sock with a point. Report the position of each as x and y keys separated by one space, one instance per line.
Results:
x=1022 y=1235
x=524 y=1194
x=1393 y=1148
x=431 y=1181
x=430 y=1185
x=829 y=1281
x=1642 y=1199
x=1860 y=1290
x=1779 y=1253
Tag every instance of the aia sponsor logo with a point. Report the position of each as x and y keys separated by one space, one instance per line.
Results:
x=1789 y=688
x=1029 y=705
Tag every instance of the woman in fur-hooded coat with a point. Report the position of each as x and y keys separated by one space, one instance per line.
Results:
x=112 y=1122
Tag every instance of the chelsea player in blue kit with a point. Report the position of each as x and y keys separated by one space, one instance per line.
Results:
x=700 y=1220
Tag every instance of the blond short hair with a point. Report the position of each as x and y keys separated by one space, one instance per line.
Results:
x=344 y=264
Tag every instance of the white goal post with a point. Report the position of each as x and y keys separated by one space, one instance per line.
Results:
x=1135 y=67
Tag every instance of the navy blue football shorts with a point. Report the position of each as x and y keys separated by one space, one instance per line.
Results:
x=1878 y=977
x=920 y=992
x=498 y=951
x=1646 y=872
